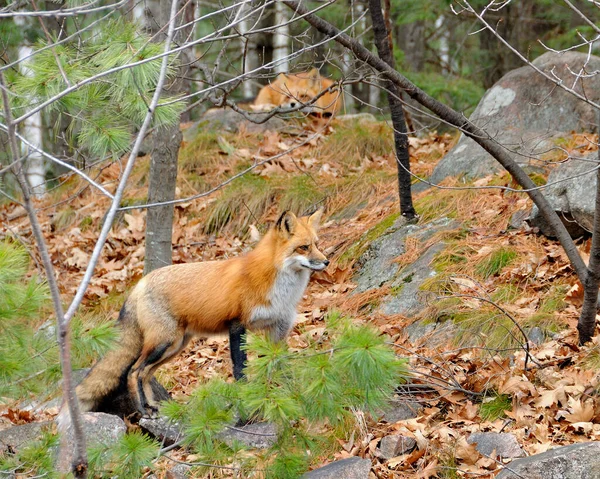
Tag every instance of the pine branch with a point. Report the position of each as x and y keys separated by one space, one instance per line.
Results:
x=58 y=161
x=67 y=12
x=126 y=172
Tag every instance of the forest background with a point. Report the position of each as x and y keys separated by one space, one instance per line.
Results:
x=89 y=87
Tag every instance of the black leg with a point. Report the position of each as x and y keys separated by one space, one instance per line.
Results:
x=154 y=357
x=237 y=339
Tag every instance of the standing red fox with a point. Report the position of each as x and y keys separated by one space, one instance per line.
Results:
x=258 y=291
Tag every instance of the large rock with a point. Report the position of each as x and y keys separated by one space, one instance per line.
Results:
x=162 y=429
x=15 y=438
x=571 y=192
x=377 y=266
x=352 y=468
x=433 y=332
x=577 y=461
x=99 y=428
x=400 y=409
x=504 y=445
x=395 y=445
x=526 y=113
x=260 y=435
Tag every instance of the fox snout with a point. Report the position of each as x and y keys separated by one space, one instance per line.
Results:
x=318 y=265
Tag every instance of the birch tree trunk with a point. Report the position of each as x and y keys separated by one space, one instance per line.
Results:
x=35 y=166
x=249 y=51
x=444 y=47
x=281 y=37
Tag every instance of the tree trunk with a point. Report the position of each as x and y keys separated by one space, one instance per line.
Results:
x=35 y=166
x=586 y=324
x=57 y=135
x=444 y=47
x=79 y=465
x=411 y=40
x=348 y=70
x=249 y=52
x=397 y=112
x=163 y=159
x=281 y=40
x=161 y=187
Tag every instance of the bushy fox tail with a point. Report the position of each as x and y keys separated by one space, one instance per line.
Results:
x=107 y=374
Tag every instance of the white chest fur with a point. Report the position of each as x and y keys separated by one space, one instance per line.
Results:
x=279 y=314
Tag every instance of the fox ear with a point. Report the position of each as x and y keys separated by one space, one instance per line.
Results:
x=314 y=220
x=314 y=77
x=313 y=73
x=286 y=223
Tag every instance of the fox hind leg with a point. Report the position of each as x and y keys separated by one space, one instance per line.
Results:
x=136 y=376
x=142 y=371
x=168 y=355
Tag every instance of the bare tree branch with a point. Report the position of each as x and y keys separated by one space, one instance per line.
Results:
x=79 y=465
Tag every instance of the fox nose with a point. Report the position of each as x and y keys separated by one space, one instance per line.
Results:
x=326 y=262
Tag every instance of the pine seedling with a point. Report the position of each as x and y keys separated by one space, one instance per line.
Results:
x=34 y=460
x=311 y=396
x=125 y=458
x=29 y=361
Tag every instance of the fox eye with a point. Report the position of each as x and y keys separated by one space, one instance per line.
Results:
x=304 y=247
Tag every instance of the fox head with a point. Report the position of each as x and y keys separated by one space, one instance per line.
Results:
x=299 y=88
x=299 y=241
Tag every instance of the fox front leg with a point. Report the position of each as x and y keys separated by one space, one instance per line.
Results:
x=237 y=340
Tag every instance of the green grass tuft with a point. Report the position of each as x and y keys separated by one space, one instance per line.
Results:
x=494 y=407
x=300 y=194
x=240 y=204
x=495 y=262
x=200 y=152
x=357 y=249
x=354 y=140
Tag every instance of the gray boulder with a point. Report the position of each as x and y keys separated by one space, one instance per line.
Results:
x=15 y=438
x=395 y=445
x=526 y=113
x=504 y=445
x=162 y=429
x=351 y=468
x=376 y=267
x=401 y=410
x=98 y=427
x=179 y=471
x=571 y=192
x=260 y=435
x=434 y=332
x=577 y=461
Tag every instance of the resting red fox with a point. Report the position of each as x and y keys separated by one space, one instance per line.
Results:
x=258 y=291
x=294 y=89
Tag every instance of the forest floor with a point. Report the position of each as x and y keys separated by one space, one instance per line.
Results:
x=550 y=399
